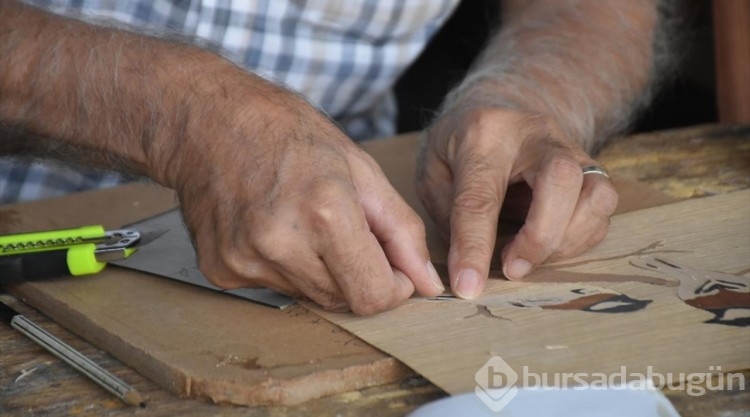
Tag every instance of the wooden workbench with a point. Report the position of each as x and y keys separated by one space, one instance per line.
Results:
x=687 y=163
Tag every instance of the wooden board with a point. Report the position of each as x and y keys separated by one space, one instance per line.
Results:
x=449 y=340
x=194 y=342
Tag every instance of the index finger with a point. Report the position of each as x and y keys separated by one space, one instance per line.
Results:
x=479 y=191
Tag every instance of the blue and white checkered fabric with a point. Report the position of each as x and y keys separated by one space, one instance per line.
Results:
x=343 y=55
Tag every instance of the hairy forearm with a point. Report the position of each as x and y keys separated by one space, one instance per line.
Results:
x=587 y=64
x=97 y=95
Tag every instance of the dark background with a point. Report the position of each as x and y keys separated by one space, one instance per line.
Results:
x=686 y=98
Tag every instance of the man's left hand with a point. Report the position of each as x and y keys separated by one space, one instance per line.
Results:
x=468 y=160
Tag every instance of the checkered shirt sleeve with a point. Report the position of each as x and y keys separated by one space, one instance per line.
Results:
x=343 y=55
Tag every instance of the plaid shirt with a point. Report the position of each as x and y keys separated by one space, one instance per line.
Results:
x=343 y=55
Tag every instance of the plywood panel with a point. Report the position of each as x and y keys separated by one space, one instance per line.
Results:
x=532 y=324
x=192 y=341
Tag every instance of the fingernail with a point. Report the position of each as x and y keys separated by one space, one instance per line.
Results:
x=517 y=268
x=436 y=282
x=467 y=284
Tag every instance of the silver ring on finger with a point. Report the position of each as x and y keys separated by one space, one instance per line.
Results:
x=593 y=169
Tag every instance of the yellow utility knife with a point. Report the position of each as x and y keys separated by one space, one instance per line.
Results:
x=79 y=251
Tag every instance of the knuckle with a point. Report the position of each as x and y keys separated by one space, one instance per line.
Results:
x=241 y=270
x=324 y=216
x=564 y=171
x=222 y=278
x=414 y=227
x=327 y=296
x=477 y=133
x=473 y=246
x=271 y=245
x=538 y=245
x=597 y=236
x=477 y=201
x=484 y=121
x=327 y=207
x=604 y=198
x=371 y=296
x=562 y=253
x=328 y=303
x=373 y=304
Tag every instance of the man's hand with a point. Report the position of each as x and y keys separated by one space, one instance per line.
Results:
x=272 y=192
x=467 y=162
x=276 y=196
x=559 y=78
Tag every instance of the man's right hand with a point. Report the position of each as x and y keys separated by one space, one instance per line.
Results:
x=276 y=196
x=272 y=192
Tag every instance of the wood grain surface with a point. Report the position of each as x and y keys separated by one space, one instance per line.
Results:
x=685 y=242
x=52 y=389
x=192 y=341
x=685 y=163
